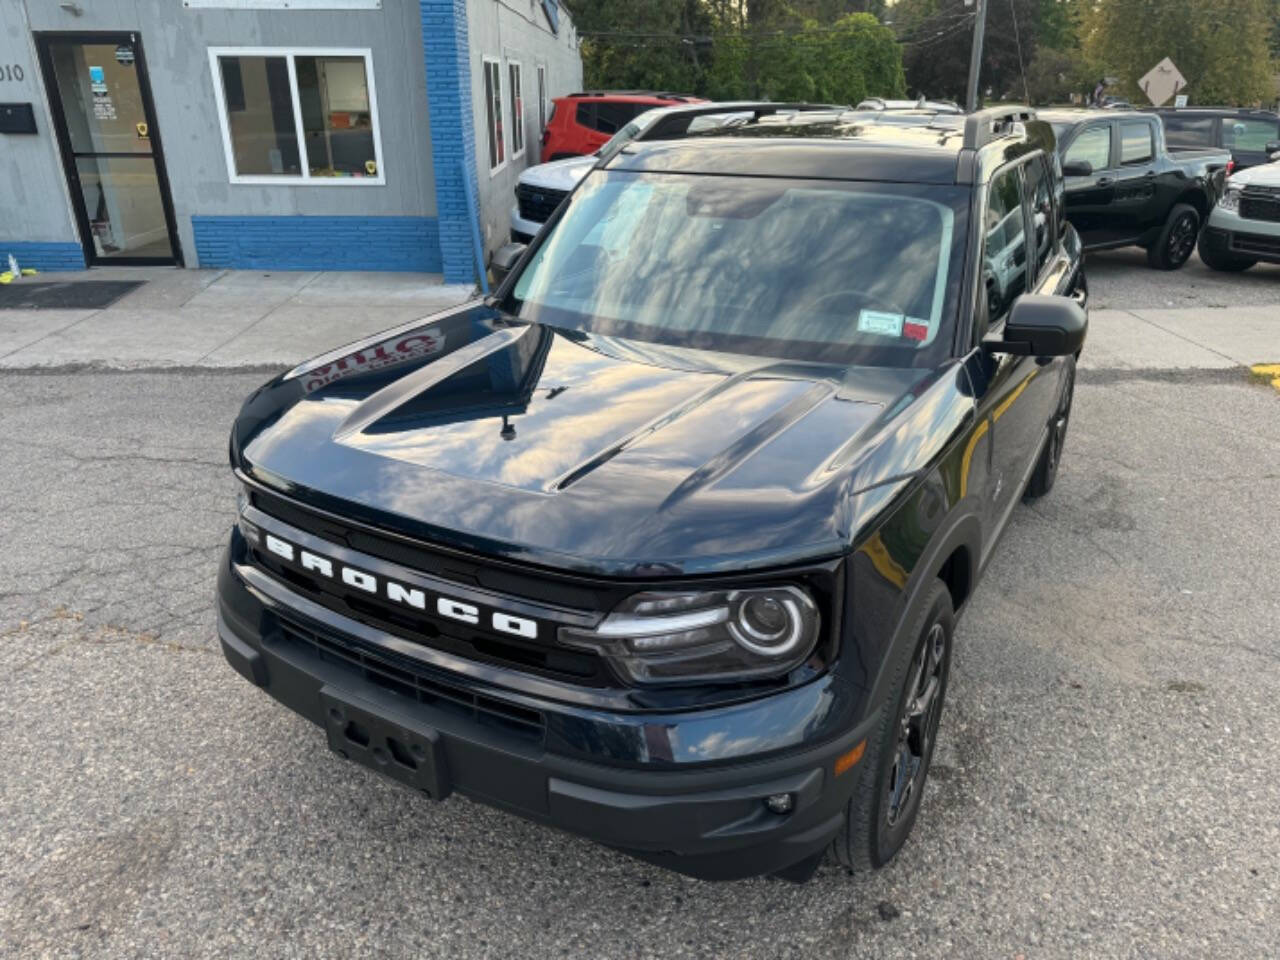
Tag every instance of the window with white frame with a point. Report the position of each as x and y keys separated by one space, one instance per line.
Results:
x=542 y=98
x=298 y=115
x=493 y=114
x=517 y=108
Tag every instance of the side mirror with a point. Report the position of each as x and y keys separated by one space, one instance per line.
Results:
x=505 y=259
x=1040 y=326
x=1273 y=146
x=1077 y=168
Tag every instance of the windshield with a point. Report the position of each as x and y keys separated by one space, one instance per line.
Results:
x=832 y=271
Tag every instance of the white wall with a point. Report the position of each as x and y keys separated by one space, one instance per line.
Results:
x=515 y=30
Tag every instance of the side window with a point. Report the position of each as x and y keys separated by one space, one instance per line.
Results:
x=1093 y=147
x=1188 y=131
x=612 y=117
x=1004 y=254
x=1040 y=196
x=586 y=115
x=1241 y=134
x=1135 y=142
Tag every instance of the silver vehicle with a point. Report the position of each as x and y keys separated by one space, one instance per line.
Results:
x=1244 y=228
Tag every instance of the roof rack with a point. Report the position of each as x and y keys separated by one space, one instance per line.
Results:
x=984 y=126
x=675 y=120
x=659 y=94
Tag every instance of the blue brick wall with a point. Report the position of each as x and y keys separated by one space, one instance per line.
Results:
x=453 y=132
x=42 y=256
x=318 y=243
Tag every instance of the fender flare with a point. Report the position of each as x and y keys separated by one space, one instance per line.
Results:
x=963 y=528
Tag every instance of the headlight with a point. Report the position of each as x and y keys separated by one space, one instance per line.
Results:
x=662 y=638
x=247 y=529
x=1230 y=199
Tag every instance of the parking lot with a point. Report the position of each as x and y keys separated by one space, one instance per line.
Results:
x=1104 y=784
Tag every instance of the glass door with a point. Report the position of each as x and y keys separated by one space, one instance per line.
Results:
x=110 y=147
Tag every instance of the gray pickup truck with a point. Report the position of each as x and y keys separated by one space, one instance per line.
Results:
x=1125 y=188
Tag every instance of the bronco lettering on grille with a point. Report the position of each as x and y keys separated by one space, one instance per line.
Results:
x=401 y=593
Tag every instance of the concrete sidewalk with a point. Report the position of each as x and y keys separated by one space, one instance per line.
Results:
x=218 y=318
x=253 y=318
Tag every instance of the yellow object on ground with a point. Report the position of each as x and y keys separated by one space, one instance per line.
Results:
x=1263 y=371
x=6 y=277
x=29 y=271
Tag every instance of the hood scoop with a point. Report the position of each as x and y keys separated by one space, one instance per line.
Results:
x=387 y=400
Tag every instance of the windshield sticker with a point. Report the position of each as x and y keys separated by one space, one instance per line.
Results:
x=876 y=321
x=916 y=330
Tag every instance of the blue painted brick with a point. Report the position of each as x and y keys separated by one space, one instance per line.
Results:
x=42 y=256
x=447 y=52
x=318 y=243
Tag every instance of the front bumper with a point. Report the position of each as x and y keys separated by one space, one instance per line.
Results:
x=632 y=781
x=522 y=229
x=1236 y=236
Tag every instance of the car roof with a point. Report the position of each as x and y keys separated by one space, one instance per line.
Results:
x=1228 y=111
x=655 y=97
x=813 y=146
x=849 y=145
x=1081 y=114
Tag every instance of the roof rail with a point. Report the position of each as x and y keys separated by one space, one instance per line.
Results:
x=983 y=126
x=675 y=121
x=659 y=94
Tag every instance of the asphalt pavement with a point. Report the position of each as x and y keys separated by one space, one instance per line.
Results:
x=1104 y=784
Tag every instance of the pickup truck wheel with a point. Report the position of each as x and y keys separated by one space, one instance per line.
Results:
x=1046 y=471
x=886 y=800
x=1215 y=258
x=1173 y=246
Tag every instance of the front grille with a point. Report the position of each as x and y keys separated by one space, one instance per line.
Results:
x=1256 y=244
x=538 y=203
x=406 y=677
x=1260 y=204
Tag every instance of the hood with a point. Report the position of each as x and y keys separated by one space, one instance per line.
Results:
x=1263 y=175
x=559 y=174
x=597 y=454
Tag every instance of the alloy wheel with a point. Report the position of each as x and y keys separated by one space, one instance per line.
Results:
x=1182 y=239
x=917 y=726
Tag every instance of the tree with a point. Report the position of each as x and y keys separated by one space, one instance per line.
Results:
x=1223 y=53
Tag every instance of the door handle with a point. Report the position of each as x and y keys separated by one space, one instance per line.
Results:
x=1105 y=181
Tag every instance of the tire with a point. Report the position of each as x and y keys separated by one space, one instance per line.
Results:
x=1215 y=258
x=874 y=829
x=1176 y=241
x=1046 y=471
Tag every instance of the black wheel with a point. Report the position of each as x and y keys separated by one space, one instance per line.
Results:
x=886 y=800
x=1216 y=258
x=1046 y=471
x=1172 y=248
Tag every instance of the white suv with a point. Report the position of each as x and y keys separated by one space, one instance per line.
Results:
x=1244 y=227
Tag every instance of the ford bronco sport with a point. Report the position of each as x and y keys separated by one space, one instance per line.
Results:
x=664 y=543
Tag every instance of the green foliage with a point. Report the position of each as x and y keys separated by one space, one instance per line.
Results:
x=1223 y=52
x=779 y=55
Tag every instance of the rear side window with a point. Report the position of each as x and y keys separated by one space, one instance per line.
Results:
x=1243 y=134
x=1004 y=254
x=1093 y=147
x=1187 y=131
x=1136 y=142
x=608 y=117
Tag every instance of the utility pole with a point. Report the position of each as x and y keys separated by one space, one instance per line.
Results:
x=975 y=55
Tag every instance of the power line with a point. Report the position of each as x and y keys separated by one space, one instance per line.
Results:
x=1026 y=90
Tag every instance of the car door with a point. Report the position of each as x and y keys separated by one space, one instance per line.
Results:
x=1005 y=385
x=1088 y=197
x=1135 y=208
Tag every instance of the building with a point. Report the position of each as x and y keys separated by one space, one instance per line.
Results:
x=272 y=134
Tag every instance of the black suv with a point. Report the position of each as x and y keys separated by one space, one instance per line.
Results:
x=665 y=542
x=1247 y=133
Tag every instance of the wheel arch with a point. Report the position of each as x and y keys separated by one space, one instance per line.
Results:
x=954 y=557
